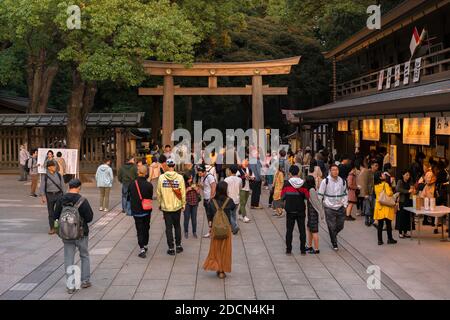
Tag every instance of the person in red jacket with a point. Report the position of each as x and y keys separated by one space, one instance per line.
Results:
x=294 y=194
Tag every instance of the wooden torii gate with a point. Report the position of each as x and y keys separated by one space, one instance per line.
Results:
x=255 y=69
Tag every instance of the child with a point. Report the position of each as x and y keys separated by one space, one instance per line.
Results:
x=190 y=211
x=315 y=209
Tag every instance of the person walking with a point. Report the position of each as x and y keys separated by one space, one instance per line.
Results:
x=51 y=189
x=352 y=188
x=171 y=194
x=23 y=157
x=294 y=195
x=50 y=157
x=333 y=195
x=34 y=174
x=315 y=171
x=233 y=191
x=208 y=185
x=246 y=174
x=104 y=178
x=219 y=258
x=140 y=192
x=406 y=190
x=383 y=213
x=127 y=174
x=278 y=203
x=74 y=198
x=315 y=211
x=192 y=200
x=155 y=172
x=367 y=191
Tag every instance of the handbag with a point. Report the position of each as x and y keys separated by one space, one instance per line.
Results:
x=176 y=191
x=386 y=200
x=146 y=203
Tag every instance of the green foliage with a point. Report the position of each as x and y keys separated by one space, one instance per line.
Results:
x=10 y=69
x=116 y=36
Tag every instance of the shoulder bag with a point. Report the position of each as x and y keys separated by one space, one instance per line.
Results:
x=146 y=203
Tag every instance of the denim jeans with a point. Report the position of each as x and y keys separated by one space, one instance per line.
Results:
x=124 y=196
x=367 y=209
x=70 y=247
x=234 y=225
x=190 y=212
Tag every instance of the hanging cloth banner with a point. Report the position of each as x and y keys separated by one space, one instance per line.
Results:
x=417 y=67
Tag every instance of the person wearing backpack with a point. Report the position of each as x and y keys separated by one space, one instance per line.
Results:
x=52 y=188
x=33 y=170
x=171 y=194
x=220 y=209
x=333 y=195
x=72 y=203
x=127 y=174
x=294 y=194
x=141 y=194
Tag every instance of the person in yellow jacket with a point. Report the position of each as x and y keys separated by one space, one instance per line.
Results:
x=278 y=184
x=171 y=193
x=383 y=213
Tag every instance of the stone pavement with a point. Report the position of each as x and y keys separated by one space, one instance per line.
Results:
x=260 y=270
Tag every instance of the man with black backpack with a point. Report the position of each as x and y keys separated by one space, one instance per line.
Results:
x=52 y=188
x=333 y=195
x=73 y=213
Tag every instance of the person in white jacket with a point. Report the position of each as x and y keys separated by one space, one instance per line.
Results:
x=333 y=195
x=104 y=178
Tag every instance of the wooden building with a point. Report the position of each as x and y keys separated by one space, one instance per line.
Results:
x=390 y=85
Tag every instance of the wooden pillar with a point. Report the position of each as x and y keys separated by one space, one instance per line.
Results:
x=257 y=104
x=168 y=110
x=156 y=119
x=189 y=114
x=334 y=80
x=120 y=148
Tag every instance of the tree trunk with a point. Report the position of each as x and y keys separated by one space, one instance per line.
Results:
x=156 y=119
x=80 y=104
x=40 y=77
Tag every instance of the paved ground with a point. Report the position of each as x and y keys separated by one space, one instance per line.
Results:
x=31 y=262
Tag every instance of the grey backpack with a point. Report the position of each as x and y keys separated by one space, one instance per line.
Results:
x=70 y=222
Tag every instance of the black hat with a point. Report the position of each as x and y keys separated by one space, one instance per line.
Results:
x=74 y=183
x=201 y=168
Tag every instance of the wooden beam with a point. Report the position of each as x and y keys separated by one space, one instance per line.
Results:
x=223 y=91
x=212 y=82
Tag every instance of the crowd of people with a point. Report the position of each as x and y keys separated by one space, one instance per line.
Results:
x=304 y=188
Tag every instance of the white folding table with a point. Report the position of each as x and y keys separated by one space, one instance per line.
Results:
x=438 y=212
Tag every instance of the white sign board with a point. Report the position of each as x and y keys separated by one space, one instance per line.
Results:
x=406 y=73
x=388 y=78
x=417 y=67
x=443 y=125
x=70 y=156
x=397 y=75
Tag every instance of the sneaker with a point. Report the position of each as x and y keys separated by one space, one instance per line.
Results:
x=71 y=291
x=145 y=248
x=222 y=275
x=392 y=241
x=240 y=217
x=52 y=231
x=171 y=252
x=100 y=209
x=380 y=243
x=349 y=218
x=246 y=220
x=33 y=195
x=142 y=253
x=207 y=235
x=309 y=249
x=235 y=232
x=288 y=252
x=407 y=235
x=179 y=249
x=105 y=209
x=195 y=236
x=86 y=284
x=401 y=235
x=186 y=235
x=314 y=251
x=335 y=247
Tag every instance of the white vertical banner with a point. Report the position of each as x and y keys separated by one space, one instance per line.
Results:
x=417 y=67
x=406 y=73
x=388 y=78
x=380 y=80
x=397 y=76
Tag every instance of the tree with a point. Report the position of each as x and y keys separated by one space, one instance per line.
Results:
x=116 y=36
x=28 y=26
